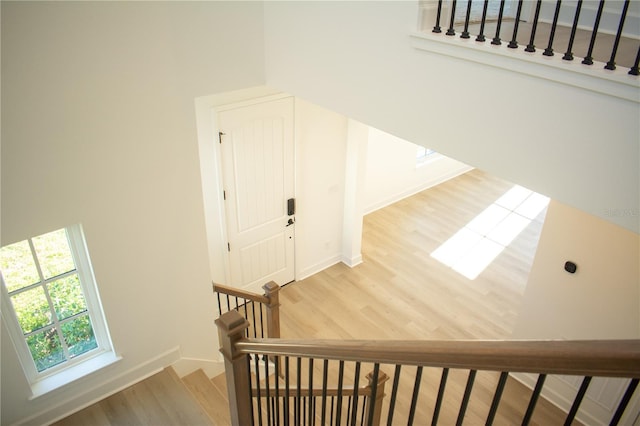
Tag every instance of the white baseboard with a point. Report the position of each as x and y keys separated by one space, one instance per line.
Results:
x=320 y=266
x=352 y=262
x=185 y=366
x=97 y=389
x=414 y=190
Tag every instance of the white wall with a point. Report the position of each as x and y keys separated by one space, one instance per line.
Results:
x=391 y=172
x=99 y=128
x=599 y=301
x=320 y=175
x=574 y=145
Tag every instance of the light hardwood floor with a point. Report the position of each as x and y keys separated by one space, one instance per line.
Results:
x=401 y=292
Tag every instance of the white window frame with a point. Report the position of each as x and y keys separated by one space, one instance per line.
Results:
x=425 y=155
x=81 y=365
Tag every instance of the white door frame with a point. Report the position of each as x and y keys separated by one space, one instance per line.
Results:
x=207 y=108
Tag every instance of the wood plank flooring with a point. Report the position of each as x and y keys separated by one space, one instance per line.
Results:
x=161 y=399
x=398 y=292
x=401 y=292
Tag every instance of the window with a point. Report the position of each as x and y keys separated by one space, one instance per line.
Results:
x=423 y=155
x=50 y=303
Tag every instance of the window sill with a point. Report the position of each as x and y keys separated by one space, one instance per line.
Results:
x=71 y=374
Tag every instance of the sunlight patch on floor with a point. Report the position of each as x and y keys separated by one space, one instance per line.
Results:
x=470 y=250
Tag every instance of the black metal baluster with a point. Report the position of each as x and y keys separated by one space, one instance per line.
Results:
x=496 y=398
x=482 y=22
x=394 y=394
x=250 y=388
x=531 y=47
x=228 y=304
x=304 y=409
x=219 y=305
x=258 y=393
x=465 y=399
x=325 y=374
x=356 y=381
x=451 y=31
x=568 y=56
x=286 y=392
x=315 y=404
x=465 y=32
x=310 y=391
x=414 y=397
x=633 y=384
x=577 y=401
x=588 y=60
x=339 y=400
x=496 y=39
x=265 y=359
x=331 y=412
x=634 y=69
x=534 y=399
x=277 y=382
x=253 y=310
x=513 y=44
x=611 y=65
x=440 y=397
x=261 y=321
x=372 y=397
x=237 y=304
x=549 y=50
x=436 y=28
x=298 y=391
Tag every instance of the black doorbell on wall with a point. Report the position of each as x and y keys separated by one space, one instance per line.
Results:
x=570 y=267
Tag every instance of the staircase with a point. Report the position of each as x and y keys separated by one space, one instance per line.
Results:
x=161 y=399
x=211 y=395
x=323 y=378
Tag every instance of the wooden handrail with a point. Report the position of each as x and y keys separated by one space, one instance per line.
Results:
x=588 y=358
x=607 y=358
x=270 y=301
x=236 y=292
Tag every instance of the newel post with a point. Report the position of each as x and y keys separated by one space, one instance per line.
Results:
x=271 y=291
x=231 y=328
x=374 y=420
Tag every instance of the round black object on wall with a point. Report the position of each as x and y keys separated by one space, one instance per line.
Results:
x=570 y=267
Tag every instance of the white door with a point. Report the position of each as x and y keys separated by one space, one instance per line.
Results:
x=257 y=147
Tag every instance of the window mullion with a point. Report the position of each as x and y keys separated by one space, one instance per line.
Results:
x=45 y=288
x=47 y=281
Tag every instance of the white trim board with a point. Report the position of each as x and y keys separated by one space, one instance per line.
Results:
x=617 y=83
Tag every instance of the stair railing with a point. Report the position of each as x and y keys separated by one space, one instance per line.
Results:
x=428 y=372
x=456 y=17
x=261 y=310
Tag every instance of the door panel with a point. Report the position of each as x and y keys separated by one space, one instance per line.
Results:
x=258 y=174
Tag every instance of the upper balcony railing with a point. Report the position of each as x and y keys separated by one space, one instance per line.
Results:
x=603 y=33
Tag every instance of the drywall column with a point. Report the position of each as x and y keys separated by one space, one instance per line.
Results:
x=357 y=138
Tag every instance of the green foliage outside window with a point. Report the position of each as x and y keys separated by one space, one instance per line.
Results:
x=45 y=292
